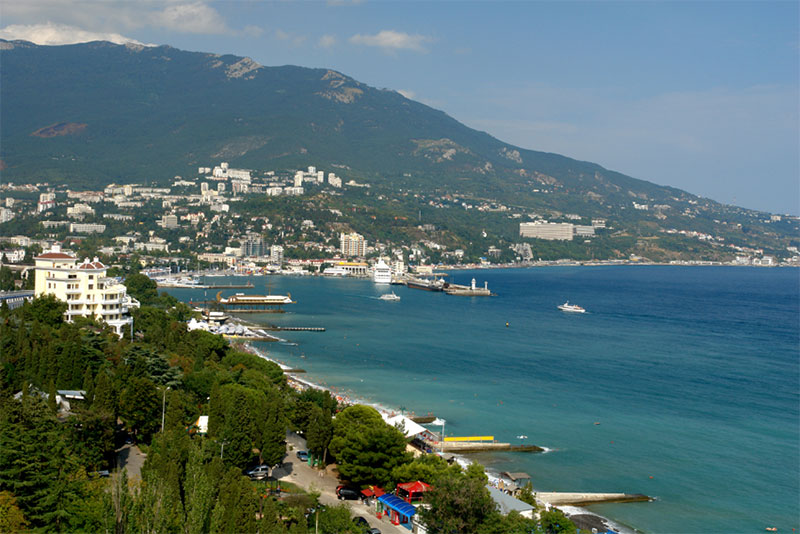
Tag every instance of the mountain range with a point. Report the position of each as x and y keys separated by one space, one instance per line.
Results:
x=94 y=113
x=101 y=110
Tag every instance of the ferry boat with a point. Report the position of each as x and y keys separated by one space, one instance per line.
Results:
x=267 y=300
x=382 y=273
x=335 y=271
x=574 y=308
x=389 y=296
x=426 y=284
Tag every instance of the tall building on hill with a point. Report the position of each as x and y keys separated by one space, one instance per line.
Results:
x=253 y=246
x=546 y=230
x=353 y=245
x=85 y=288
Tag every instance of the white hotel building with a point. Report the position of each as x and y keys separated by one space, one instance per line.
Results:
x=546 y=230
x=85 y=288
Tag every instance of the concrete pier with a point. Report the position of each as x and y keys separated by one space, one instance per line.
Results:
x=482 y=446
x=584 y=499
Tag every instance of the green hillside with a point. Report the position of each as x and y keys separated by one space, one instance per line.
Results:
x=150 y=113
x=90 y=114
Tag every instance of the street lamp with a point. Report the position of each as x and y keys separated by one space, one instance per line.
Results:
x=163 y=408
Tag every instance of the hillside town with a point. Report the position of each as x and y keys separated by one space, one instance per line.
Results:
x=211 y=221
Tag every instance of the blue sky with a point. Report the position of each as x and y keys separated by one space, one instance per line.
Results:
x=698 y=95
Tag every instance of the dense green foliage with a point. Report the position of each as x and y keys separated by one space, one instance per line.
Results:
x=51 y=457
x=366 y=448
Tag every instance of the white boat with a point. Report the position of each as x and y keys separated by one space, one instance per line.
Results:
x=335 y=271
x=269 y=300
x=574 y=308
x=382 y=273
x=389 y=296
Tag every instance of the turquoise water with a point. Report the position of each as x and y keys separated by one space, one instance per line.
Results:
x=692 y=373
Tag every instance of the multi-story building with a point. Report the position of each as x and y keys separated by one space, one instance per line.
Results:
x=6 y=215
x=352 y=244
x=169 y=221
x=276 y=254
x=546 y=230
x=85 y=288
x=252 y=246
x=87 y=228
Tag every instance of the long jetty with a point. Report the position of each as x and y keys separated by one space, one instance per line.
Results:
x=294 y=328
x=480 y=446
x=584 y=499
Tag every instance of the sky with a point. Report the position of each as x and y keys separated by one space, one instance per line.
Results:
x=702 y=96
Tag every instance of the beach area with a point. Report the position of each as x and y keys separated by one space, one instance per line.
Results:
x=581 y=518
x=671 y=362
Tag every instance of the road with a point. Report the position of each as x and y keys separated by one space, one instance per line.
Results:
x=129 y=456
x=298 y=472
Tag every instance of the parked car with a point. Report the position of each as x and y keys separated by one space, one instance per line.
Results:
x=360 y=522
x=303 y=455
x=259 y=472
x=373 y=530
x=351 y=494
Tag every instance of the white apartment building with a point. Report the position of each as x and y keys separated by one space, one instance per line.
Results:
x=352 y=244
x=334 y=180
x=547 y=230
x=86 y=228
x=84 y=287
x=5 y=215
x=276 y=254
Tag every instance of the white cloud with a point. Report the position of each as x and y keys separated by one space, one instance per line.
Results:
x=411 y=95
x=327 y=41
x=111 y=16
x=392 y=40
x=196 y=17
x=253 y=31
x=294 y=40
x=59 y=34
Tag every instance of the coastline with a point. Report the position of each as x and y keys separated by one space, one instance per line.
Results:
x=584 y=518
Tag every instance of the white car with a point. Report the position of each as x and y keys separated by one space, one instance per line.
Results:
x=259 y=473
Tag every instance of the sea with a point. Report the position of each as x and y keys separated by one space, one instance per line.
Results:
x=681 y=383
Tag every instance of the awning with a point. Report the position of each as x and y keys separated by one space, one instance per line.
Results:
x=414 y=487
x=397 y=504
x=372 y=491
x=410 y=428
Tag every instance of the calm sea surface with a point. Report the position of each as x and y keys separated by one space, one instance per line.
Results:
x=692 y=373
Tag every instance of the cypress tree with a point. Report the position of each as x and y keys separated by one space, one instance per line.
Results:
x=52 y=402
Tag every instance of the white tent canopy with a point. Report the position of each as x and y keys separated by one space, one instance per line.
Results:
x=409 y=427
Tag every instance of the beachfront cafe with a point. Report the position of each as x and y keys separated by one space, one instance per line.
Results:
x=399 y=511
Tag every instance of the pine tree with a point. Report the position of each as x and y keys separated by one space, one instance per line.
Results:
x=52 y=402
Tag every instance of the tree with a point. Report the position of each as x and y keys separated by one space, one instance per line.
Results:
x=365 y=447
x=555 y=522
x=237 y=502
x=6 y=278
x=142 y=288
x=140 y=407
x=320 y=431
x=46 y=309
x=11 y=517
x=427 y=468
x=458 y=503
x=336 y=520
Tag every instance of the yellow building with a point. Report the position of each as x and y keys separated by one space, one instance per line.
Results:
x=84 y=287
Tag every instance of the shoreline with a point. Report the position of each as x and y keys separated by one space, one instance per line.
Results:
x=586 y=518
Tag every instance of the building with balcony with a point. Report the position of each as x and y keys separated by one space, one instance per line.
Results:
x=85 y=288
x=352 y=244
